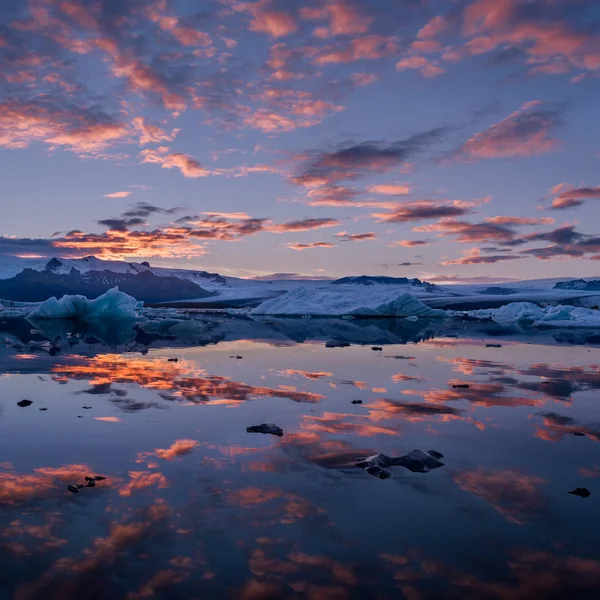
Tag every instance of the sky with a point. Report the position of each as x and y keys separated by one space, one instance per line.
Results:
x=455 y=141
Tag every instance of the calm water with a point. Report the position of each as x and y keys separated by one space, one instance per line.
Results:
x=193 y=506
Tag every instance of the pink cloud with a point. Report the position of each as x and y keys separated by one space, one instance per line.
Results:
x=362 y=79
x=525 y=132
x=473 y=256
x=433 y=28
x=273 y=23
x=410 y=243
x=344 y=18
x=520 y=220
x=118 y=195
x=420 y=210
x=344 y=236
x=300 y=247
x=426 y=67
x=188 y=165
x=151 y=134
x=569 y=196
x=81 y=131
x=369 y=47
x=390 y=189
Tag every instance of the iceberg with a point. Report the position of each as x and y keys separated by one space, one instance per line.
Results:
x=517 y=312
x=370 y=302
x=528 y=313
x=111 y=305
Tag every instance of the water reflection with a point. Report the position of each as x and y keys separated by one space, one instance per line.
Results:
x=193 y=506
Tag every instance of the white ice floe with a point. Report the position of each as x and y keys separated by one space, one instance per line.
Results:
x=518 y=312
x=328 y=302
x=528 y=313
x=111 y=305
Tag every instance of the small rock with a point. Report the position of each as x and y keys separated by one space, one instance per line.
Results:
x=173 y=360
x=493 y=345
x=73 y=489
x=99 y=478
x=579 y=433
x=87 y=478
x=334 y=344
x=581 y=492
x=464 y=386
x=91 y=483
x=42 y=409
x=24 y=403
x=356 y=401
x=86 y=407
x=376 y=348
x=266 y=428
x=237 y=357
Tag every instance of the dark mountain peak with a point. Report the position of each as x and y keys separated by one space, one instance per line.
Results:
x=53 y=264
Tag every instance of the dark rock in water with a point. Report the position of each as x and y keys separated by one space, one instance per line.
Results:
x=99 y=478
x=581 y=492
x=493 y=345
x=237 y=357
x=378 y=472
x=266 y=428
x=91 y=483
x=376 y=348
x=24 y=403
x=173 y=360
x=464 y=386
x=579 y=433
x=356 y=401
x=73 y=489
x=88 y=478
x=86 y=407
x=417 y=461
x=334 y=344
x=42 y=409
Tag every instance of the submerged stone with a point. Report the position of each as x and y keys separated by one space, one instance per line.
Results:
x=24 y=403
x=265 y=428
x=581 y=492
x=417 y=461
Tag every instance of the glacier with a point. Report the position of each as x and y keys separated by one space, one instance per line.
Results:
x=113 y=305
x=327 y=302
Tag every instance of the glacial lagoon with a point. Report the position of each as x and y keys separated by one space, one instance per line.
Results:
x=192 y=505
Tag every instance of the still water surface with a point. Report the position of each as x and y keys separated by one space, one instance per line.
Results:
x=193 y=506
